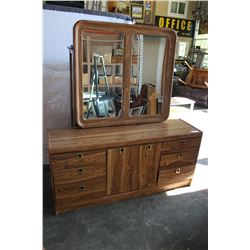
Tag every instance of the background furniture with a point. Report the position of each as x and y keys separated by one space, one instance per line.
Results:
x=110 y=46
x=180 y=101
x=193 y=85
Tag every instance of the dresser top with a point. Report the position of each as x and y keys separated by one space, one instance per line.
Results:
x=76 y=139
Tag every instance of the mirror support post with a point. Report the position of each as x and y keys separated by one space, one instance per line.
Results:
x=127 y=57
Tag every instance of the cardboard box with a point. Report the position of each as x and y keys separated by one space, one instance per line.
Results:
x=117 y=80
x=85 y=108
x=118 y=52
x=102 y=80
x=133 y=80
x=107 y=57
x=119 y=59
x=151 y=90
x=85 y=79
x=134 y=59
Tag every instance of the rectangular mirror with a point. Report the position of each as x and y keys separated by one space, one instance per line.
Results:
x=102 y=73
x=146 y=85
x=122 y=73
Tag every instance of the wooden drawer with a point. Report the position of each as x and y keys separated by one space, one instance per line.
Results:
x=78 y=159
x=175 y=174
x=78 y=174
x=180 y=145
x=87 y=189
x=66 y=203
x=178 y=159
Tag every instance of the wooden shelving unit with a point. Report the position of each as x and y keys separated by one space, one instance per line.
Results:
x=107 y=42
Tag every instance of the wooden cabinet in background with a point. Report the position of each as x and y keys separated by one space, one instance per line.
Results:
x=102 y=165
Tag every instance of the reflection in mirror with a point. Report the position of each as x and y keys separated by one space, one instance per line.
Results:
x=146 y=89
x=102 y=69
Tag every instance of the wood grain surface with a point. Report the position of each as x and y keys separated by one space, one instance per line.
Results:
x=132 y=168
x=78 y=159
x=87 y=189
x=78 y=174
x=176 y=174
x=182 y=144
x=74 y=140
x=178 y=159
x=122 y=170
x=72 y=203
x=149 y=158
x=102 y=165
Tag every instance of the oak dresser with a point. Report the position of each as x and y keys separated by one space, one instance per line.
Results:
x=102 y=165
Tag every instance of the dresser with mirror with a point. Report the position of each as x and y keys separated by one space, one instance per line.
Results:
x=121 y=144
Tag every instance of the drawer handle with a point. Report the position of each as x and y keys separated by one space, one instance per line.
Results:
x=81 y=189
x=182 y=142
x=149 y=147
x=178 y=170
x=79 y=171
x=79 y=155
x=179 y=155
x=121 y=150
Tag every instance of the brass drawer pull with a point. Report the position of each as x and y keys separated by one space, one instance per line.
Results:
x=79 y=155
x=149 y=147
x=178 y=170
x=80 y=171
x=179 y=155
x=121 y=150
x=81 y=189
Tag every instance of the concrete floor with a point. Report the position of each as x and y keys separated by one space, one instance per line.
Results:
x=173 y=220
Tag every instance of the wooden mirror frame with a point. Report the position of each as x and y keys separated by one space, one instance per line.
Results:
x=129 y=30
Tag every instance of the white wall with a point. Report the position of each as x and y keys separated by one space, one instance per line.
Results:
x=153 y=55
x=58 y=33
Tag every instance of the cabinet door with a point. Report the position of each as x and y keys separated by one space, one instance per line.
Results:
x=132 y=168
x=122 y=170
x=149 y=164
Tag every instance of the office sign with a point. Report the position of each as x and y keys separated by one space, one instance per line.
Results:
x=183 y=27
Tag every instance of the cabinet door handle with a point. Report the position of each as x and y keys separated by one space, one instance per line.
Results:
x=79 y=155
x=149 y=147
x=121 y=150
x=81 y=189
x=178 y=170
x=182 y=142
x=80 y=171
x=179 y=155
